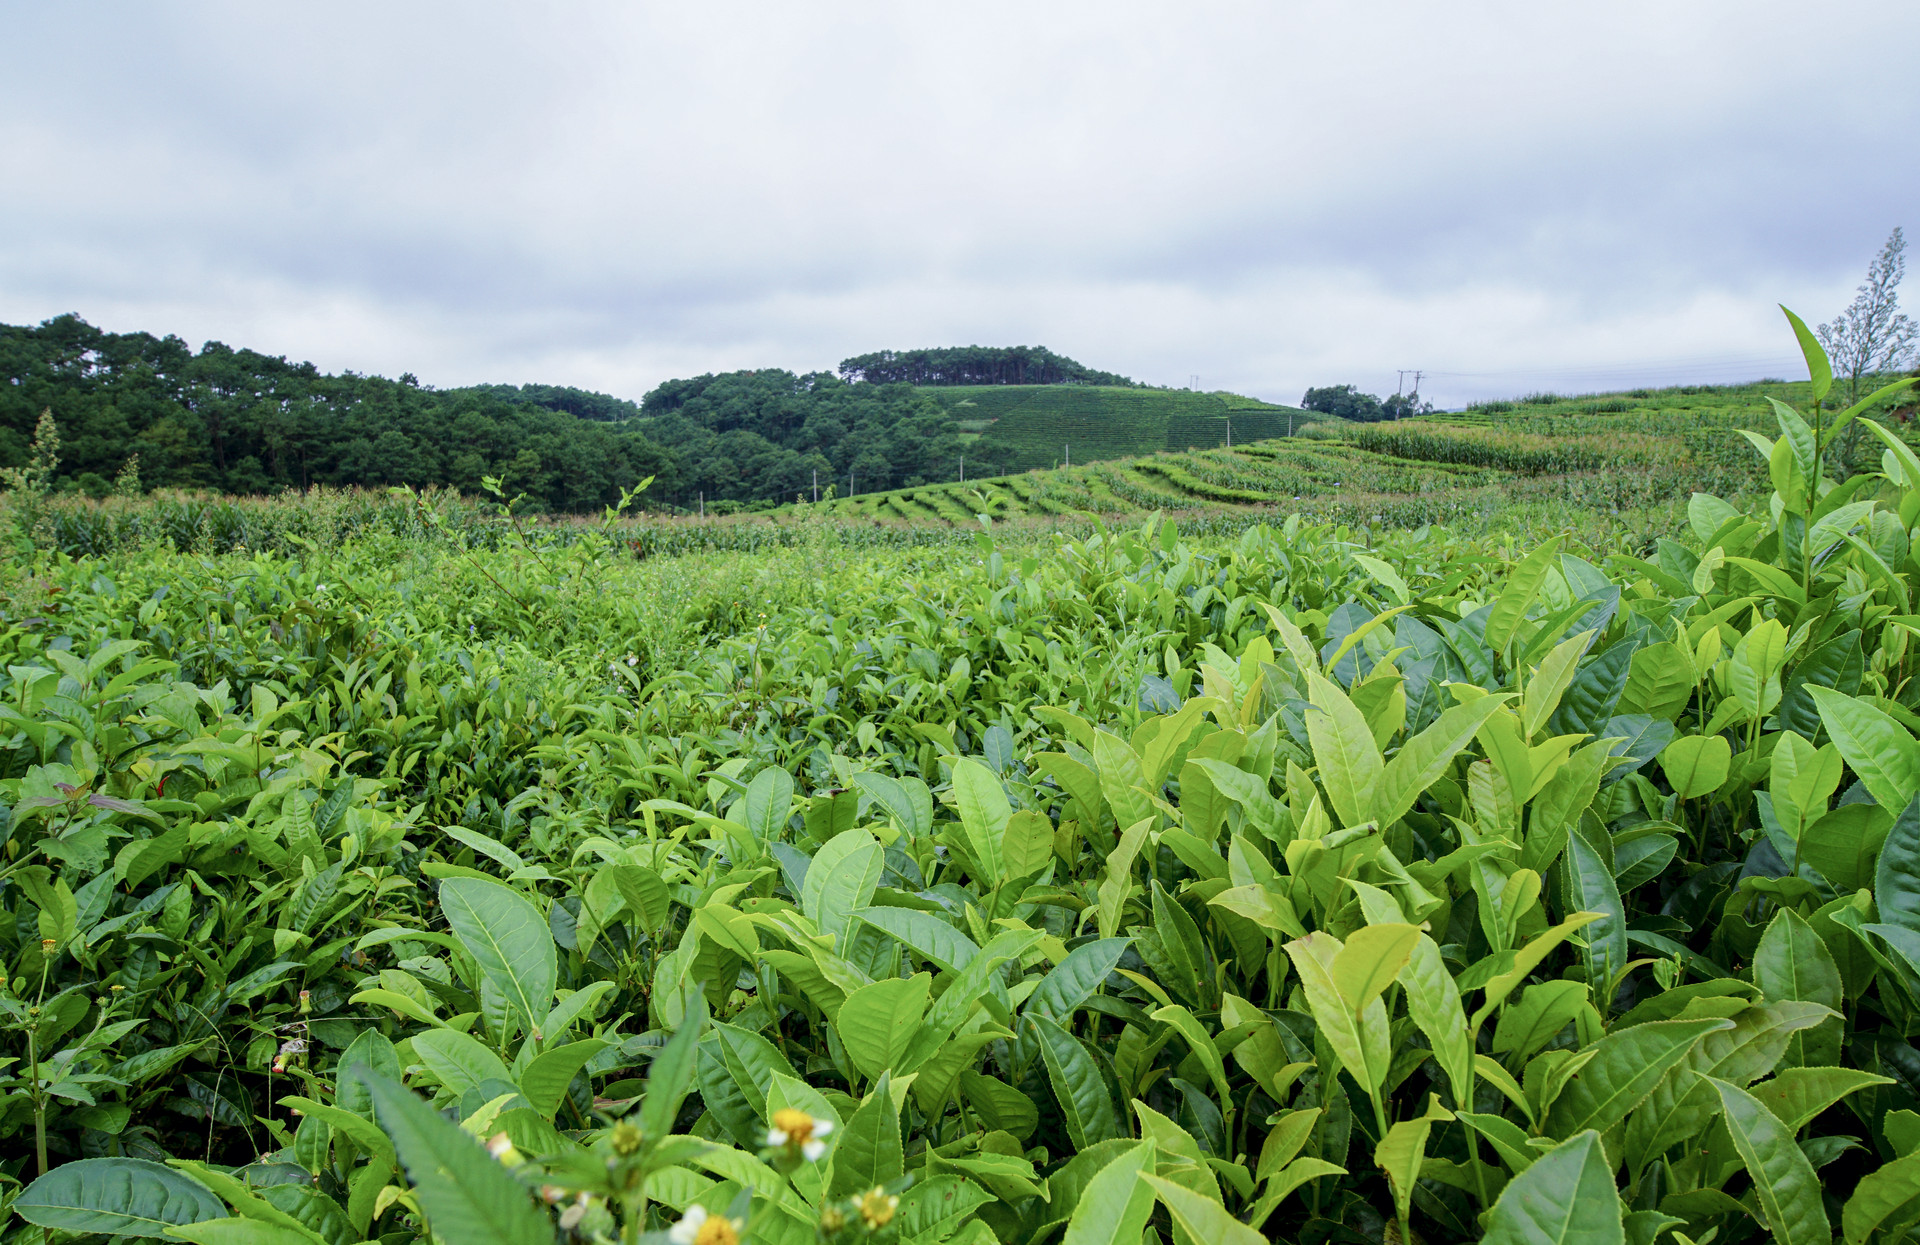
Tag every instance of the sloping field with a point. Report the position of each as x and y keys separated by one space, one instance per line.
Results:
x=1610 y=452
x=1047 y=425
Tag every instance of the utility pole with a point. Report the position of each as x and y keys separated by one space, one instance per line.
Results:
x=1069 y=455
x=816 y=486
x=1193 y=383
x=963 y=469
x=1403 y=382
x=1229 y=431
x=703 y=503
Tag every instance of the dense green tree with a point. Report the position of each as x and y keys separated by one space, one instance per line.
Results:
x=763 y=435
x=974 y=365
x=243 y=422
x=1344 y=401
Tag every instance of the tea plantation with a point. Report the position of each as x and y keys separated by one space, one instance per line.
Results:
x=1515 y=839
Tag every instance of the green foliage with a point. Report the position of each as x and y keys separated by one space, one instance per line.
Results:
x=1270 y=882
x=974 y=365
x=240 y=422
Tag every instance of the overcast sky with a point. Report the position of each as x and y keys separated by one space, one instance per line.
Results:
x=1511 y=196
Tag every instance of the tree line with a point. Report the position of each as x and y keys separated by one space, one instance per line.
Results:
x=774 y=435
x=975 y=365
x=242 y=422
x=1347 y=402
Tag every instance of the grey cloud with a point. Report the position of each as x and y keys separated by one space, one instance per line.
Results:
x=1267 y=195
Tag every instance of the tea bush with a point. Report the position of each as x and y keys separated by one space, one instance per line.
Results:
x=1296 y=881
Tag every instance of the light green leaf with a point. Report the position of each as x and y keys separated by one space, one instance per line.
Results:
x=1433 y=1001
x=238 y=1231
x=1114 y=1208
x=544 y=1083
x=841 y=880
x=457 y=1060
x=1422 y=760
x=509 y=939
x=1625 y=1067
x=1819 y=370
x=1122 y=779
x=1566 y=1197
x=1523 y=584
x=1401 y=1152
x=1027 y=844
x=1343 y=748
x=877 y=1021
x=1783 y=1179
x=1202 y=1218
x=1697 y=765
x=1797 y=1095
x=1879 y=749
x=984 y=813
x=466 y=1195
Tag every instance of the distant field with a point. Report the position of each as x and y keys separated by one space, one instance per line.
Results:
x=1607 y=452
x=1047 y=424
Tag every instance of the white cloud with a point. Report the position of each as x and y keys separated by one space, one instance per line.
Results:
x=1509 y=196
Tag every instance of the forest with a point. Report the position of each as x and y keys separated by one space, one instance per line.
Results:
x=241 y=422
x=766 y=434
x=976 y=365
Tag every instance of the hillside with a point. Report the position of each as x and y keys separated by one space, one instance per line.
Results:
x=1029 y=426
x=1608 y=451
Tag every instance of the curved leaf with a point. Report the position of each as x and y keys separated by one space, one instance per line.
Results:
x=1115 y=1205
x=1896 y=878
x=510 y=941
x=1876 y=747
x=1422 y=760
x=1878 y=1197
x=1783 y=1179
x=1203 y=1218
x=1625 y=1067
x=466 y=1195
x=877 y=1021
x=458 y=1061
x=117 y=1197
x=1565 y=1197
x=1077 y=1083
x=869 y=1152
x=841 y=881
x=927 y=935
x=1075 y=978
x=544 y=1083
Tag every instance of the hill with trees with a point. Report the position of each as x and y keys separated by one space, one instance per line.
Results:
x=766 y=434
x=976 y=365
x=238 y=421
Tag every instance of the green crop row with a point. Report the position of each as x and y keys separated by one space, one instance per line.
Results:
x=1234 y=882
